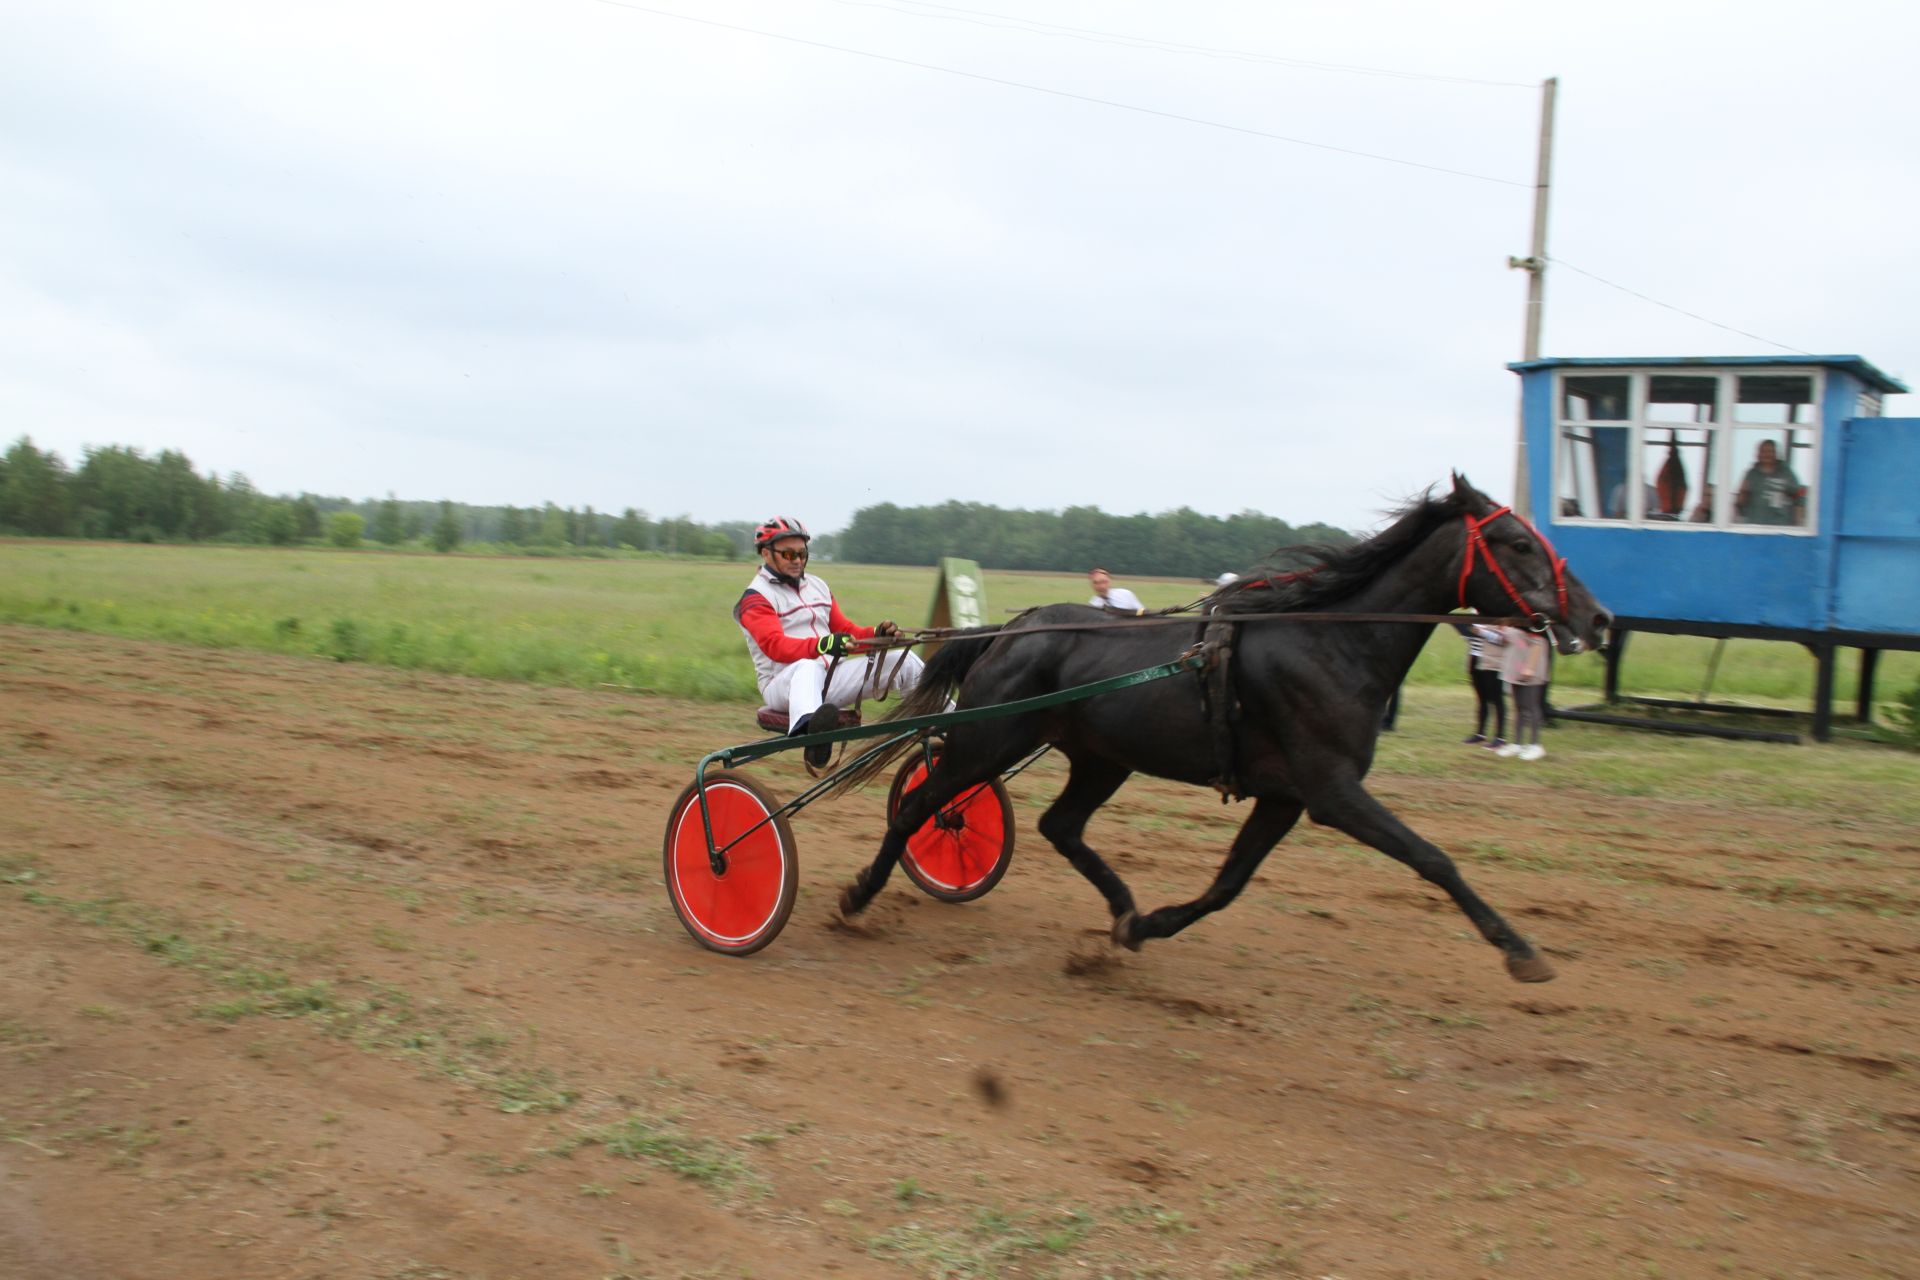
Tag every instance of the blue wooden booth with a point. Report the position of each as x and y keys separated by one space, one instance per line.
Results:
x=1763 y=497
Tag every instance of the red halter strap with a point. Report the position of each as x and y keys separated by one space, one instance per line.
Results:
x=1477 y=548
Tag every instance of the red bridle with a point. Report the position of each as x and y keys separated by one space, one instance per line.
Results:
x=1477 y=548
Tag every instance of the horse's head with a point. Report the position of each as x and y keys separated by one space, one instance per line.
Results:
x=1508 y=566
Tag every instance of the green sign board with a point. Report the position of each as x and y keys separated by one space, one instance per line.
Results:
x=959 y=596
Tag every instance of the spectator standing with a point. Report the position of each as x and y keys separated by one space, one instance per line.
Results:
x=1484 y=651
x=1523 y=667
x=1108 y=596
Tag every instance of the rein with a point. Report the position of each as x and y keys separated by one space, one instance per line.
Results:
x=930 y=635
x=1477 y=549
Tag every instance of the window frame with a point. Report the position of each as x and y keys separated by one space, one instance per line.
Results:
x=1723 y=471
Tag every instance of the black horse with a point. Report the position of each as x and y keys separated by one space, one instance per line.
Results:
x=1309 y=697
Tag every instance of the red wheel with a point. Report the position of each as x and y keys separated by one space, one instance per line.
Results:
x=963 y=850
x=743 y=908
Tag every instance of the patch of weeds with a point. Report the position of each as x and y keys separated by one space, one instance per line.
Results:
x=130 y=1142
x=909 y=993
x=390 y=939
x=1173 y=1107
x=1295 y=1192
x=1156 y=1217
x=17 y=869
x=1502 y=1189
x=662 y=1143
x=909 y=1190
x=374 y=1018
x=19 y=1036
x=1659 y=966
x=1395 y=1068
x=412 y=899
x=1273 y=1260
x=533 y=1091
x=421 y=1271
x=624 y=875
x=993 y=1239
x=270 y=995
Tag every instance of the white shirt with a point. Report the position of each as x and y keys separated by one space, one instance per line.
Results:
x=1118 y=598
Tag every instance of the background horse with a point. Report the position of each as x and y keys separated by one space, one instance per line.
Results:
x=1306 y=698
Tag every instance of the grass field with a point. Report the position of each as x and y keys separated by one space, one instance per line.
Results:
x=652 y=624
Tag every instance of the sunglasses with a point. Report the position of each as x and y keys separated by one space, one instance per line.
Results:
x=783 y=554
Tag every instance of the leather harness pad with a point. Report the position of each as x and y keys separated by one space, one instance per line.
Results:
x=1219 y=705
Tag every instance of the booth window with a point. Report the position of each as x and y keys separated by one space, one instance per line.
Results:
x=1694 y=449
x=1594 y=446
x=1677 y=448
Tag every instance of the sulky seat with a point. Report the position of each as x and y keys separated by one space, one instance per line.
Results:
x=774 y=720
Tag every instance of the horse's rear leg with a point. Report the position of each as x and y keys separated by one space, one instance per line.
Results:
x=961 y=765
x=1265 y=827
x=1352 y=809
x=1090 y=784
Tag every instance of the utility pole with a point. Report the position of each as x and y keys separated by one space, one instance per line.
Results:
x=1535 y=265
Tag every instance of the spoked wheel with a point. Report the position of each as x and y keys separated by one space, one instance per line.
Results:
x=964 y=849
x=742 y=907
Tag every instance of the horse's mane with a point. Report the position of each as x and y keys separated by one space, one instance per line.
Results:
x=1312 y=574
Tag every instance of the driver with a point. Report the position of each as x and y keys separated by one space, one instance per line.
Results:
x=795 y=629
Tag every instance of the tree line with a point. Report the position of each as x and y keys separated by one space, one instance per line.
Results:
x=1180 y=543
x=122 y=493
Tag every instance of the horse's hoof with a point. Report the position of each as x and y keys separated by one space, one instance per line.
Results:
x=1123 y=930
x=1532 y=968
x=851 y=903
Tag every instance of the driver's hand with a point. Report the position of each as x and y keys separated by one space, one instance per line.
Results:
x=888 y=628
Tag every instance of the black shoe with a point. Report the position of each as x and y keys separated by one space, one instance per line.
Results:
x=825 y=719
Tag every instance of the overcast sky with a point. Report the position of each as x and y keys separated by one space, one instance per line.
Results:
x=726 y=258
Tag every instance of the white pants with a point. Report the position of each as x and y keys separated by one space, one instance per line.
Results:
x=800 y=687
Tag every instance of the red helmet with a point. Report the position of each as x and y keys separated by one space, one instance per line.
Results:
x=771 y=531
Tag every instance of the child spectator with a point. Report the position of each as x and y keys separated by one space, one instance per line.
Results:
x=1523 y=667
x=1483 y=671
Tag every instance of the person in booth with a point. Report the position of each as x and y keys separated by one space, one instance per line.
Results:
x=796 y=633
x=1770 y=493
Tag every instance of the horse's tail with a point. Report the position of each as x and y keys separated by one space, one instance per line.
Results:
x=943 y=674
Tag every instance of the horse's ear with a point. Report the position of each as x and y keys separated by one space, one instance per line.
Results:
x=1469 y=498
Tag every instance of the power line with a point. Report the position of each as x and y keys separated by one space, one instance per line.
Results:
x=954 y=13
x=1063 y=93
x=1670 y=307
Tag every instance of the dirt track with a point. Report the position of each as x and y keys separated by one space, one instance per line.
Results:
x=323 y=971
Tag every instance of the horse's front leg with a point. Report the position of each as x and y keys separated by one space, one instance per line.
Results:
x=1265 y=827
x=1090 y=784
x=1349 y=807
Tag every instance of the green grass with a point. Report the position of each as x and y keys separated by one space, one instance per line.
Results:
x=644 y=623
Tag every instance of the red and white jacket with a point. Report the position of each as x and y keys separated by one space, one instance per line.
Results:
x=784 y=625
